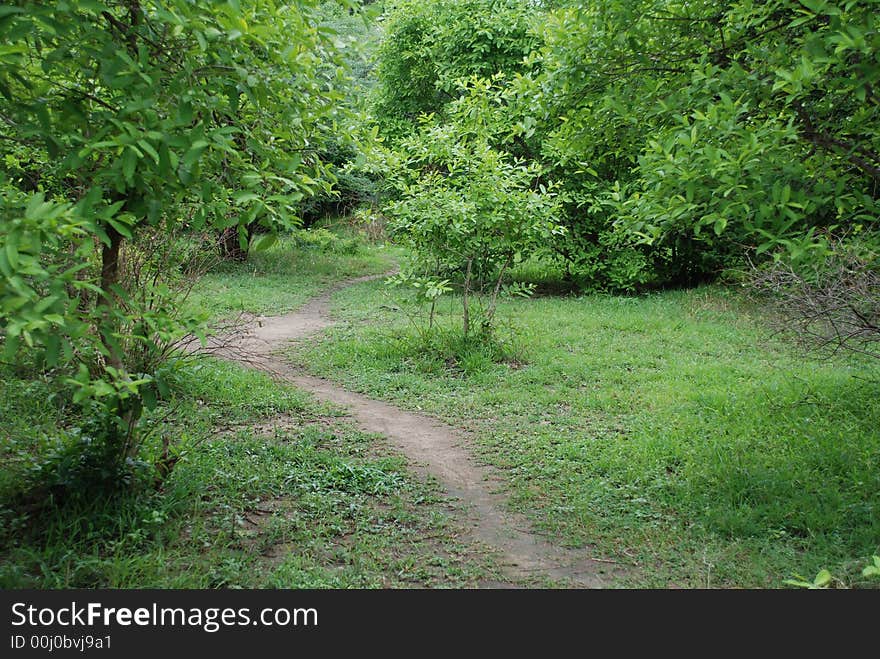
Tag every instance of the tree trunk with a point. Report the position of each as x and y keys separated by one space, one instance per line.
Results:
x=494 y=303
x=467 y=287
x=128 y=409
x=109 y=279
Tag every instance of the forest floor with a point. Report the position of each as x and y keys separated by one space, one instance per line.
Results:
x=667 y=440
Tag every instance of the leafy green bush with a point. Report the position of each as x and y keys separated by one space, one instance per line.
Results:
x=87 y=464
x=711 y=132
x=467 y=210
x=352 y=187
x=684 y=137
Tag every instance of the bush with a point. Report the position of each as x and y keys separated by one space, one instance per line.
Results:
x=467 y=210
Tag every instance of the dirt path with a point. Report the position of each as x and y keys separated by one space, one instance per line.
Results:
x=435 y=449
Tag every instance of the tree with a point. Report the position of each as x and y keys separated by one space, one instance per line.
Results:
x=136 y=116
x=466 y=209
x=428 y=47
x=715 y=129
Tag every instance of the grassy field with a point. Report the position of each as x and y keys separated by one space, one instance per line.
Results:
x=272 y=489
x=672 y=431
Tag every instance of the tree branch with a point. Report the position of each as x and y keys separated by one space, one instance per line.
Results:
x=831 y=143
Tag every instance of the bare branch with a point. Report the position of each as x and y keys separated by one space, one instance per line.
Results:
x=834 y=306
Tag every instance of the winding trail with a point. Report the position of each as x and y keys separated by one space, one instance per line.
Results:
x=433 y=448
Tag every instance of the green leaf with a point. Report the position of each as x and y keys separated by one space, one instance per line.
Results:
x=122 y=228
x=150 y=150
x=165 y=167
x=5 y=266
x=822 y=579
x=45 y=303
x=162 y=386
x=53 y=346
x=185 y=113
x=36 y=207
x=12 y=250
x=246 y=197
x=872 y=570
x=264 y=242
x=194 y=153
x=129 y=161
x=815 y=6
x=800 y=583
x=148 y=397
x=11 y=347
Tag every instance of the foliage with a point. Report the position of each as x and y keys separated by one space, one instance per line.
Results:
x=131 y=116
x=715 y=129
x=683 y=136
x=466 y=209
x=354 y=32
x=824 y=579
x=428 y=47
x=352 y=186
x=821 y=581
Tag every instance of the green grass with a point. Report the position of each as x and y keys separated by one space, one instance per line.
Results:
x=672 y=431
x=285 y=276
x=273 y=490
